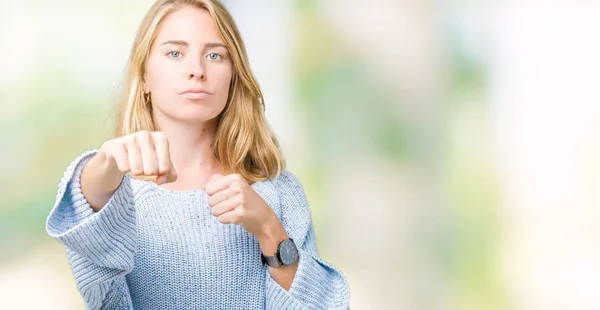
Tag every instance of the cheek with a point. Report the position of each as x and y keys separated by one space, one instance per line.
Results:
x=223 y=81
x=159 y=74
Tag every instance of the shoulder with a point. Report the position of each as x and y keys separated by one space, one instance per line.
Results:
x=286 y=181
x=290 y=190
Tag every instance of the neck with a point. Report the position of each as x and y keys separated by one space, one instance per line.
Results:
x=192 y=154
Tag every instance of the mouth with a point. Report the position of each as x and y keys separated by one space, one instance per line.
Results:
x=195 y=93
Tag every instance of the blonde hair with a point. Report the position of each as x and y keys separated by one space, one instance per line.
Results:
x=244 y=143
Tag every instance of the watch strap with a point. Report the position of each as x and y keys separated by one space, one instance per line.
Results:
x=274 y=260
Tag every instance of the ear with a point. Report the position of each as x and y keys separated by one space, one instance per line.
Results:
x=144 y=85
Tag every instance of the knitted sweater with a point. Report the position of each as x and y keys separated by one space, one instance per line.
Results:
x=153 y=248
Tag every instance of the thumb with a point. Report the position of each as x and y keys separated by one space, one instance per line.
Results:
x=215 y=177
x=170 y=176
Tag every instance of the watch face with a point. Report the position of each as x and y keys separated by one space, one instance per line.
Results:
x=288 y=252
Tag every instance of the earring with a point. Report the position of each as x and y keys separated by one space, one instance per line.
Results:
x=146 y=96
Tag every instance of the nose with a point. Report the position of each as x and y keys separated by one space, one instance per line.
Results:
x=197 y=71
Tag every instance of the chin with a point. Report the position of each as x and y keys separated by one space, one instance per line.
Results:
x=199 y=116
x=192 y=113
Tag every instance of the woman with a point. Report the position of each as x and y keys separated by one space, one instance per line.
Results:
x=189 y=206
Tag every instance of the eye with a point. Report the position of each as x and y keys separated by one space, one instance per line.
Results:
x=174 y=54
x=214 y=56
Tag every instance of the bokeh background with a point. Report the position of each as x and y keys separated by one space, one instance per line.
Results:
x=449 y=149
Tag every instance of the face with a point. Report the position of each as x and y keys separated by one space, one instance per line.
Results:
x=189 y=70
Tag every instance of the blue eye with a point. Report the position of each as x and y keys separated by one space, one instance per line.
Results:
x=214 y=56
x=174 y=54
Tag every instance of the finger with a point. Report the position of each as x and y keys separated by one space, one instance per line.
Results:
x=223 y=195
x=231 y=217
x=166 y=170
x=216 y=176
x=118 y=151
x=219 y=183
x=172 y=176
x=225 y=206
x=213 y=179
x=149 y=161
x=133 y=155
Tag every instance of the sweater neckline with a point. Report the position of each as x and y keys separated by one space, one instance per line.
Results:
x=165 y=191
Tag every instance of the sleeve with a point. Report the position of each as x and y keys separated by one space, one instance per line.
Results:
x=317 y=284
x=100 y=246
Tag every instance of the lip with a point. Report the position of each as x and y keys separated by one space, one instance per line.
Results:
x=195 y=93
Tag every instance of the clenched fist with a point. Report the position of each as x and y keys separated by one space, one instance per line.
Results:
x=234 y=201
x=142 y=154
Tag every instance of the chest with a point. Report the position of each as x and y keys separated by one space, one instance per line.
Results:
x=178 y=238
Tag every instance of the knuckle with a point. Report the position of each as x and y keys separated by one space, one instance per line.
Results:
x=107 y=144
x=122 y=168
x=146 y=136
x=143 y=137
x=129 y=140
x=121 y=144
x=164 y=170
x=159 y=136
x=151 y=171
x=121 y=141
x=136 y=168
x=236 y=188
x=136 y=172
x=242 y=213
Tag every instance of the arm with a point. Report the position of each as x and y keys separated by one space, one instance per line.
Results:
x=100 y=246
x=315 y=284
x=269 y=240
x=94 y=214
x=99 y=180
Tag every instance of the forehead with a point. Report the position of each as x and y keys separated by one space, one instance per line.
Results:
x=192 y=24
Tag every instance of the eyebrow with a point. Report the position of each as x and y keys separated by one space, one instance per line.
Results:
x=185 y=43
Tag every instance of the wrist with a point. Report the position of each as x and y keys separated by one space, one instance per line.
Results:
x=108 y=164
x=271 y=235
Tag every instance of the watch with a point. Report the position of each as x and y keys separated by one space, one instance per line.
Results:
x=287 y=254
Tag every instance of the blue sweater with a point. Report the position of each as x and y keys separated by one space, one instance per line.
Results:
x=153 y=248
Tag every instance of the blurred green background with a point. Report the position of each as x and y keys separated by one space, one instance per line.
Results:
x=448 y=148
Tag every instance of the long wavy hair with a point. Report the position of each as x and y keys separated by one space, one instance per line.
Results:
x=244 y=143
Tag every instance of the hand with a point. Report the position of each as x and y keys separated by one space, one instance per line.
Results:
x=142 y=154
x=233 y=201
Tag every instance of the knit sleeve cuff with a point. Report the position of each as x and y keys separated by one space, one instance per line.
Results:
x=316 y=285
x=106 y=237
